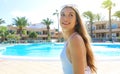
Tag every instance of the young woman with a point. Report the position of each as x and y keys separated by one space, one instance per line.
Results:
x=77 y=56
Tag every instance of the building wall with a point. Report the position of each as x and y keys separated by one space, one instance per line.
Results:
x=101 y=30
x=40 y=29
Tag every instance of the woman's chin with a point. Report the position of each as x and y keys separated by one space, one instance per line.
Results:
x=65 y=29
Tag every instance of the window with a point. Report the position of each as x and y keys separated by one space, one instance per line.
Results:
x=114 y=26
x=117 y=34
x=52 y=33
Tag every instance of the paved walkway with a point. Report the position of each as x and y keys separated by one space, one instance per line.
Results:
x=50 y=67
x=30 y=67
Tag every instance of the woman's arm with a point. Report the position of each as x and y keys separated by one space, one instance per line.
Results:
x=78 y=54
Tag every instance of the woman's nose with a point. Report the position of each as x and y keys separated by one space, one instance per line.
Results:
x=65 y=18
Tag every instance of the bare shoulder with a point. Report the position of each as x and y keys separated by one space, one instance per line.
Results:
x=76 y=43
x=77 y=39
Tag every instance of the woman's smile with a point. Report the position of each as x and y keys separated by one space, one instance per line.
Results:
x=65 y=23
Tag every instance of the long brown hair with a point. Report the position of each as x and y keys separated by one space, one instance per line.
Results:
x=81 y=30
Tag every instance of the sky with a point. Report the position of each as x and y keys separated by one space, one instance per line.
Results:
x=37 y=10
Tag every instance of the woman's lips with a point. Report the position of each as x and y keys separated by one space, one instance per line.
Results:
x=65 y=23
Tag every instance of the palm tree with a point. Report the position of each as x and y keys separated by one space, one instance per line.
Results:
x=90 y=16
x=33 y=35
x=2 y=21
x=20 y=22
x=98 y=17
x=57 y=13
x=47 y=22
x=3 y=33
x=117 y=14
x=108 y=4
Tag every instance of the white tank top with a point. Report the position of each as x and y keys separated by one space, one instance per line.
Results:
x=66 y=64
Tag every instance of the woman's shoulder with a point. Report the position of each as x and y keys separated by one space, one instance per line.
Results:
x=76 y=39
x=77 y=45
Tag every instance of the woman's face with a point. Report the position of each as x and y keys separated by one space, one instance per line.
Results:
x=67 y=19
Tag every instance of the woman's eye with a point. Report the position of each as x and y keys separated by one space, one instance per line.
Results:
x=71 y=15
x=62 y=14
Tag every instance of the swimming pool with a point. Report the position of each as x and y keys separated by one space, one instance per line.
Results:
x=32 y=50
x=106 y=49
x=53 y=50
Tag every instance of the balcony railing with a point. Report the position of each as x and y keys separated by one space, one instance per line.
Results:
x=105 y=30
x=101 y=30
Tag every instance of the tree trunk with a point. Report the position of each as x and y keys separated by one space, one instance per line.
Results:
x=2 y=39
x=110 y=29
x=91 y=32
x=58 y=28
x=48 y=29
x=20 y=30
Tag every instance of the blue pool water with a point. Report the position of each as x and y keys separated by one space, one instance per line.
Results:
x=54 y=50
x=33 y=50
x=106 y=49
